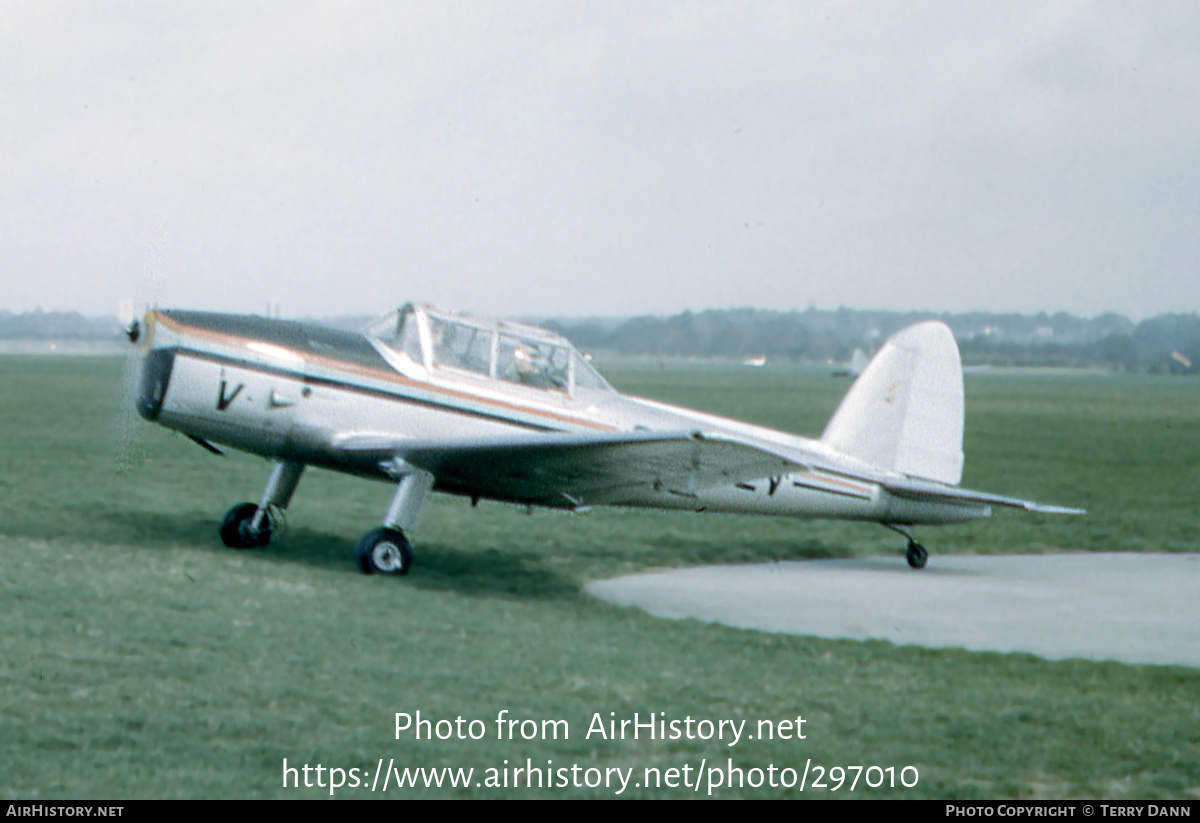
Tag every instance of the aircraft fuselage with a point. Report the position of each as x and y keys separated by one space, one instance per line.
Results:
x=309 y=395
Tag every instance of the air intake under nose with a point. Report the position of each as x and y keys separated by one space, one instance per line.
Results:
x=156 y=373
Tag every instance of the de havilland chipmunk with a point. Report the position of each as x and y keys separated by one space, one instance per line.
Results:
x=432 y=400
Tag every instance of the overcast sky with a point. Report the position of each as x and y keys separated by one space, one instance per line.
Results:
x=601 y=158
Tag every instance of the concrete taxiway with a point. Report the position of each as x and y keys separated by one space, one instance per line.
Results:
x=1135 y=608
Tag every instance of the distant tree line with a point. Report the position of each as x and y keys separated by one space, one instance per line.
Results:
x=57 y=325
x=1167 y=344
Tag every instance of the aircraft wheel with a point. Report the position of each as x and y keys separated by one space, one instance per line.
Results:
x=236 y=532
x=916 y=555
x=384 y=551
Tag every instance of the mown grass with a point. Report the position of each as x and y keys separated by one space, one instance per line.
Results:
x=143 y=659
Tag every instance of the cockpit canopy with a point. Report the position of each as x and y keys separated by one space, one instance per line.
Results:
x=449 y=344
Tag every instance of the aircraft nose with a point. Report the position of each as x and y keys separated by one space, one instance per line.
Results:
x=156 y=374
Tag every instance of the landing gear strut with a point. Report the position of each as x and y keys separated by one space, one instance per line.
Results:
x=250 y=525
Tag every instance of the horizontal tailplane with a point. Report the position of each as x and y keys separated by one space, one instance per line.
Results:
x=905 y=411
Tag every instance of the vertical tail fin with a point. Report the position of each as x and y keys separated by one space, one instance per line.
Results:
x=905 y=411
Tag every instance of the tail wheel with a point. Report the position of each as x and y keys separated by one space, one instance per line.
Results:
x=916 y=555
x=384 y=551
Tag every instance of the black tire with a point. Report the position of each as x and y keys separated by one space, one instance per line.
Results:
x=235 y=528
x=384 y=551
x=916 y=555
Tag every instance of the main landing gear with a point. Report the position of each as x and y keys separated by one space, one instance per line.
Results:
x=380 y=551
x=238 y=529
x=916 y=555
x=384 y=551
x=249 y=525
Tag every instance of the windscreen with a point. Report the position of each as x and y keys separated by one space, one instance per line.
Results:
x=399 y=332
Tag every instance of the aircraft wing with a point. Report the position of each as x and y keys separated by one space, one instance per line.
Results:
x=579 y=469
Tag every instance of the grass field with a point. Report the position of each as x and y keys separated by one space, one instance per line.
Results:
x=141 y=658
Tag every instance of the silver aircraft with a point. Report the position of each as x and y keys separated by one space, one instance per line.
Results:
x=431 y=400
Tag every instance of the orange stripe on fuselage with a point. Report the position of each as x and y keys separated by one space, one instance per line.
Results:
x=837 y=481
x=395 y=377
